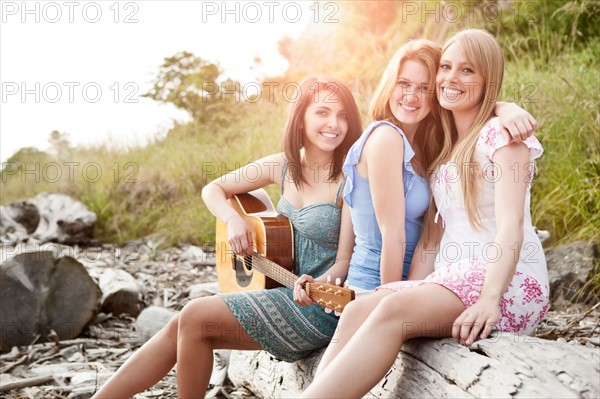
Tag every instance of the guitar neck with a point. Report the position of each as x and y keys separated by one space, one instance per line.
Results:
x=326 y=295
x=273 y=270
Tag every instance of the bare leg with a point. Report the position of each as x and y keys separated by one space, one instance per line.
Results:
x=205 y=325
x=146 y=366
x=354 y=315
x=425 y=311
x=202 y=319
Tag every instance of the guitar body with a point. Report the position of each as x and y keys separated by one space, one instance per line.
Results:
x=273 y=238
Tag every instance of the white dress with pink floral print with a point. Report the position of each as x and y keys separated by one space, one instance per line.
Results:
x=465 y=252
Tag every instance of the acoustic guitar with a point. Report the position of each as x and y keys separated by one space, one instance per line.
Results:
x=272 y=263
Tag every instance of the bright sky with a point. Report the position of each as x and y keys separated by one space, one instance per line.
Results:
x=80 y=66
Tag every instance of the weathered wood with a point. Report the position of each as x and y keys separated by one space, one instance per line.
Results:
x=121 y=293
x=220 y=366
x=24 y=213
x=416 y=376
x=47 y=217
x=268 y=377
x=26 y=382
x=504 y=366
x=11 y=231
x=42 y=297
x=63 y=219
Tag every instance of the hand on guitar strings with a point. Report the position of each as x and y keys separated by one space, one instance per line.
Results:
x=300 y=295
x=240 y=237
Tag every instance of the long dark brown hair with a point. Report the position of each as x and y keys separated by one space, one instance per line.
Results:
x=294 y=134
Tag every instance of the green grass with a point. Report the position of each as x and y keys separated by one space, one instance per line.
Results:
x=156 y=188
x=564 y=98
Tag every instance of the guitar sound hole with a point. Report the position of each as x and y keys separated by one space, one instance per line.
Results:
x=243 y=270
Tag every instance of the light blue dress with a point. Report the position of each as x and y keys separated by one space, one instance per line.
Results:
x=271 y=317
x=364 y=265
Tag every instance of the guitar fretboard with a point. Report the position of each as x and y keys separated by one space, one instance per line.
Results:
x=271 y=269
x=326 y=295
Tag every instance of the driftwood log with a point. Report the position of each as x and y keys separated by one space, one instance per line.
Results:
x=47 y=217
x=121 y=293
x=44 y=298
x=503 y=366
x=26 y=382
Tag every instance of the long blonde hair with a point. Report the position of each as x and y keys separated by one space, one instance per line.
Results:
x=428 y=135
x=484 y=54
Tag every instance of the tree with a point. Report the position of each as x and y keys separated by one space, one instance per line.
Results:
x=28 y=155
x=59 y=143
x=191 y=83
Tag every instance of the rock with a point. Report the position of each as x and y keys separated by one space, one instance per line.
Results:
x=204 y=289
x=193 y=254
x=121 y=293
x=570 y=267
x=46 y=298
x=151 y=320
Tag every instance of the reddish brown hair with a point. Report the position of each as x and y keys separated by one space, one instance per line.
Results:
x=294 y=134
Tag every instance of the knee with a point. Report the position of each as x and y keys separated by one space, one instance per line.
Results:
x=391 y=309
x=352 y=309
x=355 y=310
x=355 y=313
x=171 y=329
x=192 y=317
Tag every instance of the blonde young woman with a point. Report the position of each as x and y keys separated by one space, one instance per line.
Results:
x=489 y=271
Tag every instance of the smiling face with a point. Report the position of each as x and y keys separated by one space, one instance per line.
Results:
x=460 y=87
x=325 y=124
x=409 y=101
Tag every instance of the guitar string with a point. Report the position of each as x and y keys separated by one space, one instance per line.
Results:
x=291 y=278
x=282 y=275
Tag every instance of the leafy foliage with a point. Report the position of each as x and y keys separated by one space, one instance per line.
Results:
x=541 y=30
x=192 y=84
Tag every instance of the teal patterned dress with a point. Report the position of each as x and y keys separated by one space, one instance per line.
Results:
x=271 y=317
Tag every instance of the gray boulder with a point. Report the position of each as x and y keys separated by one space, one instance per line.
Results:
x=570 y=268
